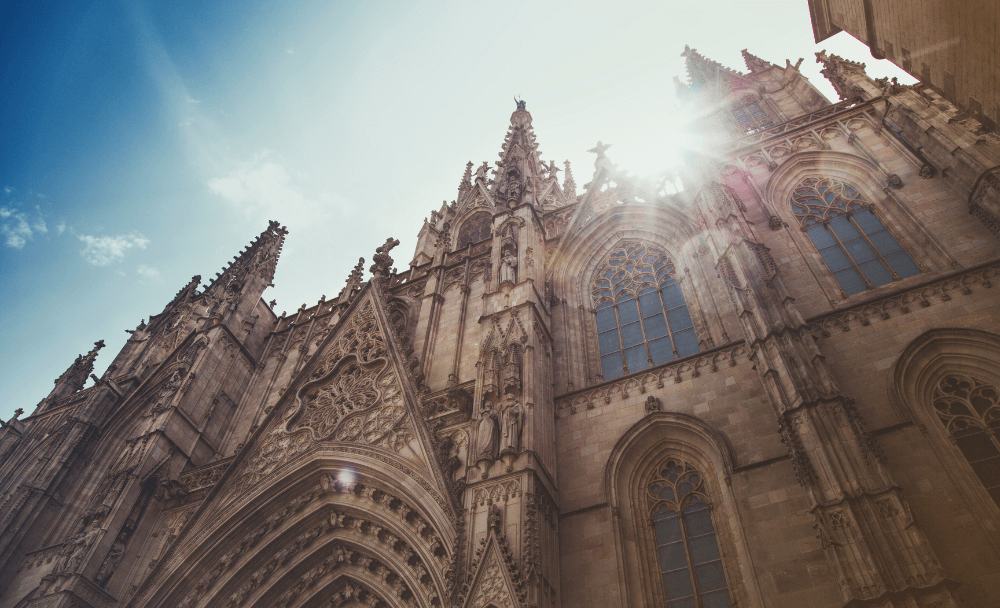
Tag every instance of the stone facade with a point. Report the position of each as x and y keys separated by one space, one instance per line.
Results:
x=775 y=387
x=949 y=46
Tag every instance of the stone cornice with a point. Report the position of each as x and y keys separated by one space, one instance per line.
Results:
x=923 y=295
x=676 y=371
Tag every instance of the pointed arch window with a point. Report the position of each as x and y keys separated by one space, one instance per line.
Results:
x=970 y=411
x=642 y=317
x=476 y=228
x=856 y=246
x=690 y=563
x=750 y=117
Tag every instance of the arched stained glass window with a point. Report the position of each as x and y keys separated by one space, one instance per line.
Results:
x=690 y=564
x=750 y=117
x=970 y=411
x=476 y=228
x=642 y=318
x=854 y=243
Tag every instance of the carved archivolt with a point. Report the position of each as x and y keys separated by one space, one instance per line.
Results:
x=368 y=531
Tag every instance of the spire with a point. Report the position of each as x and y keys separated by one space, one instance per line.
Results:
x=260 y=257
x=701 y=70
x=847 y=77
x=354 y=281
x=569 y=185
x=754 y=63
x=466 y=183
x=73 y=379
x=520 y=163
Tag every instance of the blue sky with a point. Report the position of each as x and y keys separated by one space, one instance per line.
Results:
x=144 y=143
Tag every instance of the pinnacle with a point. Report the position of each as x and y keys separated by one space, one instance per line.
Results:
x=700 y=69
x=569 y=184
x=754 y=63
x=261 y=254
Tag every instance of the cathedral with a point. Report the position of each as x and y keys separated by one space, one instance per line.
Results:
x=768 y=380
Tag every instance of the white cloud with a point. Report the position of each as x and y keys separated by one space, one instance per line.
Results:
x=289 y=50
x=189 y=99
x=149 y=272
x=263 y=189
x=104 y=250
x=39 y=224
x=15 y=230
x=8 y=189
x=61 y=228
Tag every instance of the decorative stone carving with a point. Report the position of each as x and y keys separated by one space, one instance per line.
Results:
x=510 y=420
x=486 y=433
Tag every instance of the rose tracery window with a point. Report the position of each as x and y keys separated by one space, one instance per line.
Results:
x=476 y=228
x=750 y=117
x=690 y=564
x=856 y=246
x=642 y=317
x=970 y=411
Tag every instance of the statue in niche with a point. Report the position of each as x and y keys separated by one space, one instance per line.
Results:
x=167 y=391
x=112 y=560
x=74 y=550
x=513 y=190
x=486 y=436
x=510 y=418
x=508 y=267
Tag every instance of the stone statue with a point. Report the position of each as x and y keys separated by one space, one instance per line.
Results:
x=167 y=391
x=74 y=550
x=508 y=267
x=482 y=173
x=113 y=558
x=486 y=437
x=510 y=418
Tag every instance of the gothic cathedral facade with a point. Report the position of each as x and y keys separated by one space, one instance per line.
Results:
x=778 y=386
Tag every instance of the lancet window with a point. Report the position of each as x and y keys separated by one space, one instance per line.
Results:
x=970 y=411
x=642 y=317
x=750 y=117
x=856 y=246
x=689 y=560
x=476 y=228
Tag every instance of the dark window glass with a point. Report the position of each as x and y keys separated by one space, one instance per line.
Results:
x=854 y=243
x=641 y=313
x=476 y=228
x=687 y=551
x=750 y=116
x=970 y=411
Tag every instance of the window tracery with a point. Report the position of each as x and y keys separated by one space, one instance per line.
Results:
x=750 y=117
x=690 y=563
x=476 y=228
x=856 y=246
x=642 y=317
x=970 y=411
